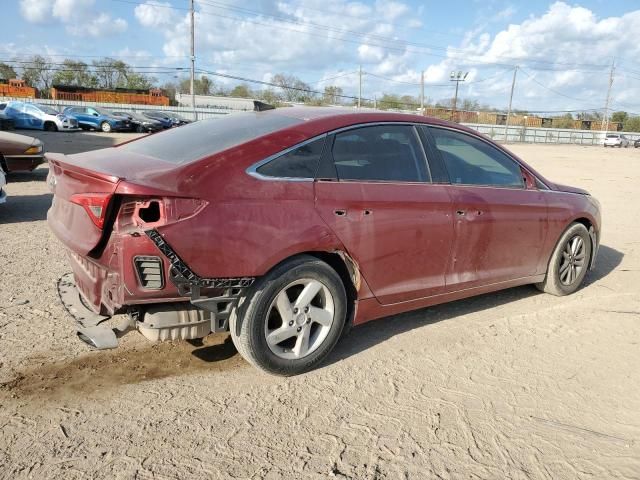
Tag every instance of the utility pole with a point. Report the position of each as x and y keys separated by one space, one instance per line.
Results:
x=606 y=106
x=422 y=93
x=193 y=60
x=359 y=86
x=457 y=77
x=513 y=86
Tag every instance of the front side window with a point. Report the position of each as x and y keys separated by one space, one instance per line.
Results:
x=471 y=161
x=301 y=162
x=388 y=153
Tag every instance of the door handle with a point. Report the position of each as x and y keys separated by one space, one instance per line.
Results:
x=461 y=213
x=340 y=213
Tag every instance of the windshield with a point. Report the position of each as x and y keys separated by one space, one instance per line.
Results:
x=612 y=136
x=48 y=110
x=207 y=137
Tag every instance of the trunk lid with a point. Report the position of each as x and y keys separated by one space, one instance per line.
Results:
x=87 y=187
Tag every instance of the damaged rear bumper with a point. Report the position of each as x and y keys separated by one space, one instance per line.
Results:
x=211 y=301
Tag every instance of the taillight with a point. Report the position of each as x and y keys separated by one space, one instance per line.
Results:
x=146 y=213
x=95 y=205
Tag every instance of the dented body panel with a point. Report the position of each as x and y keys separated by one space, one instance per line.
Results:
x=404 y=245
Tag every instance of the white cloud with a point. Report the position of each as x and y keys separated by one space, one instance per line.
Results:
x=155 y=14
x=78 y=16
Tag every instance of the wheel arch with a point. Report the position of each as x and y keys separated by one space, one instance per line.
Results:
x=346 y=268
x=594 y=235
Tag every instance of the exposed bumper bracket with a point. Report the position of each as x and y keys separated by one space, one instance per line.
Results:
x=226 y=291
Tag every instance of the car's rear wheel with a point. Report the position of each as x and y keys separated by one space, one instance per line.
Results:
x=291 y=318
x=50 y=127
x=569 y=262
x=105 y=127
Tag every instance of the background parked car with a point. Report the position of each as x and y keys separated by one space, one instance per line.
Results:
x=97 y=119
x=19 y=152
x=616 y=140
x=38 y=117
x=636 y=144
x=177 y=120
x=169 y=119
x=161 y=117
x=6 y=123
x=139 y=123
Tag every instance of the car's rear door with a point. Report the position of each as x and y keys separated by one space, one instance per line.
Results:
x=375 y=191
x=500 y=217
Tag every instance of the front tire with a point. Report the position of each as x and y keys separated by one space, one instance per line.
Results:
x=569 y=262
x=50 y=127
x=291 y=318
x=105 y=127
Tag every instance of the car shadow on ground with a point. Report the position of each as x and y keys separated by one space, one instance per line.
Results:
x=372 y=333
x=25 y=208
x=38 y=175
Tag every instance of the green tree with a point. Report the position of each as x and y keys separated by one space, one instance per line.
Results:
x=74 y=73
x=632 y=124
x=565 y=121
x=7 y=72
x=241 y=91
x=469 y=105
x=619 y=117
x=389 y=101
x=201 y=86
x=332 y=95
x=292 y=88
x=38 y=73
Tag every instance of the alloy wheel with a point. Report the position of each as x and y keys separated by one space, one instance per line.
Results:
x=299 y=319
x=573 y=260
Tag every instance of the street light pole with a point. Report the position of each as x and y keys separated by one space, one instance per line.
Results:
x=457 y=77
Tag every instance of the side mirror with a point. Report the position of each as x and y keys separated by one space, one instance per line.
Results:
x=95 y=114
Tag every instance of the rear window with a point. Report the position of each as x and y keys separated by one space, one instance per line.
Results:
x=612 y=136
x=207 y=137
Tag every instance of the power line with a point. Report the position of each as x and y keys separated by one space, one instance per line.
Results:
x=551 y=89
x=424 y=49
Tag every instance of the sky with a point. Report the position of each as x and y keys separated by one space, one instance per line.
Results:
x=563 y=50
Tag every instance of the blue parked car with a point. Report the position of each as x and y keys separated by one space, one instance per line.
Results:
x=97 y=119
x=38 y=117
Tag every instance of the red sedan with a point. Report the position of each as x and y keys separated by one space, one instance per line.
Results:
x=289 y=226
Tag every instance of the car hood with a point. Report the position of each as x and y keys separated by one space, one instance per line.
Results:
x=14 y=144
x=569 y=189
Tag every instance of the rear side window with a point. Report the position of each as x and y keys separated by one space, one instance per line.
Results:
x=207 y=137
x=390 y=153
x=471 y=161
x=301 y=162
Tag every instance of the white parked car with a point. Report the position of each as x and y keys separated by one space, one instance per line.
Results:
x=3 y=182
x=39 y=117
x=616 y=140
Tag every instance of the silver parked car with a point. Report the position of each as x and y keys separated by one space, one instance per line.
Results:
x=616 y=140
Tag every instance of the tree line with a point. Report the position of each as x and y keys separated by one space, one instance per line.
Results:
x=110 y=73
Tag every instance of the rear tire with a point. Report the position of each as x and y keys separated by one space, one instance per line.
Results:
x=283 y=331
x=569 y=262
x=105 y=127
x=50 y=127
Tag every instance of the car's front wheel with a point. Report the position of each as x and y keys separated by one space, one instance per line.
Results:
x=105 y=127
x=50 y=127
x=569 y=262
x=291 y=318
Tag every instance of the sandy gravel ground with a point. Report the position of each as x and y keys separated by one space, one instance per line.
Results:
x=516 y=384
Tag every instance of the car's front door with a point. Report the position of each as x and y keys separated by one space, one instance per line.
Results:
x=33 y=116
x=500 y=221
x=375 y=191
